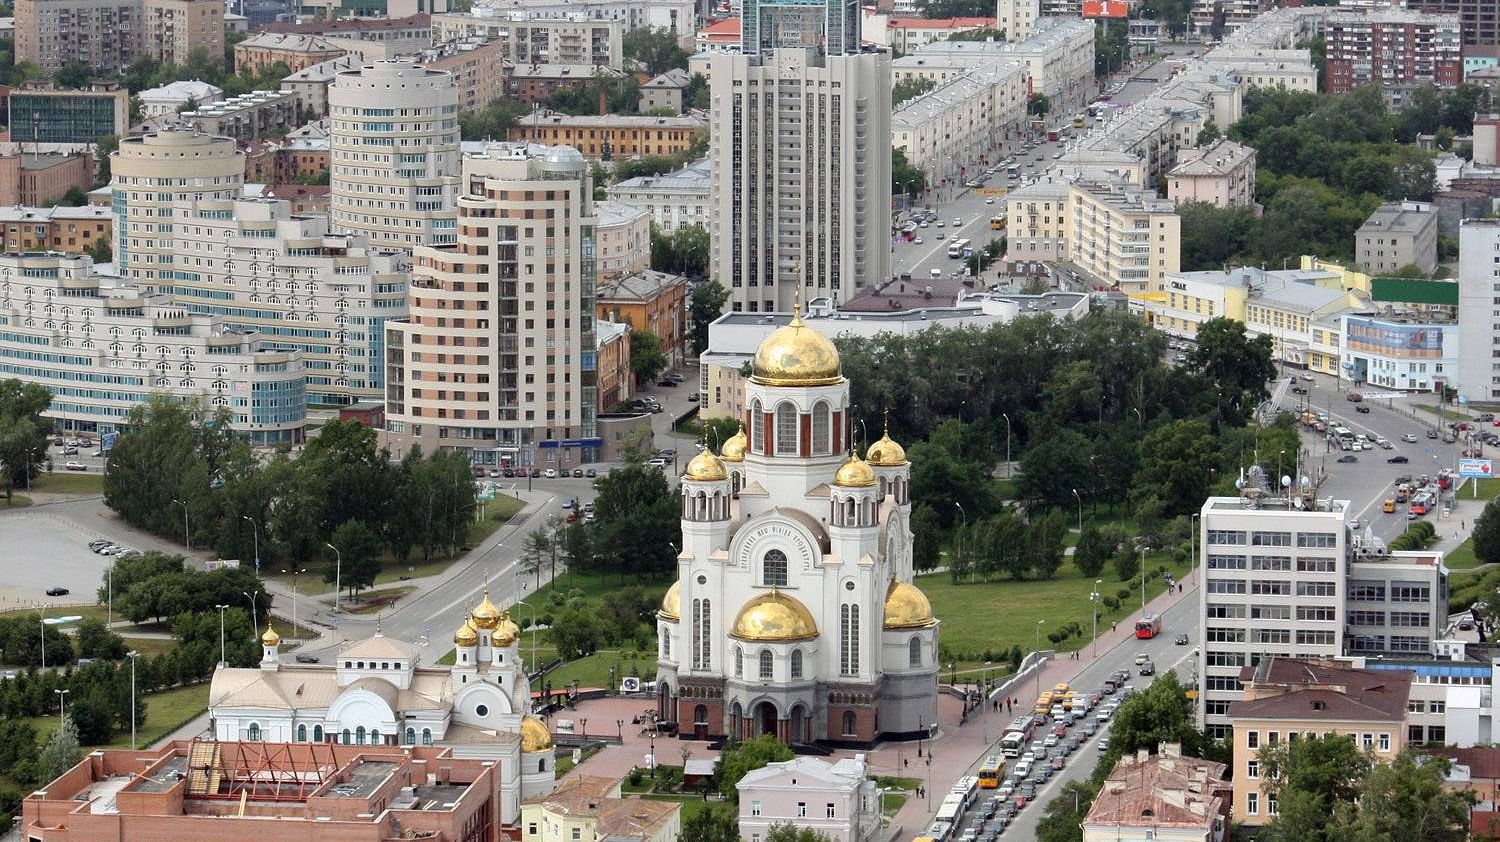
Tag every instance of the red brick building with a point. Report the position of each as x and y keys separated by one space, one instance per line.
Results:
x=30 y=179
x=258 y=791
x=1395 y=48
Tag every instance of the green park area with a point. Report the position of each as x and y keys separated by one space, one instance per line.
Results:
x=166 y=711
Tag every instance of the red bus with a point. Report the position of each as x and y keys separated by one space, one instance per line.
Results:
x=1148 y=626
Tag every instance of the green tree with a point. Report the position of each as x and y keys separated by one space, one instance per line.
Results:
x=1038 y=105
x=1214 y=237
x=91 y=714
x=17 y=750
x=1175 y=465
x=738 y=760
x=1237 y=365
x=75 y=75
x=1126 y=564
x=910 y=87
x=1408 y=800
x=23 y=432
x=577 y=546
x=1044 y=543
x=536 y=551
x=1093 y=551
x=61 y=753
x=927 y=537
x=148 y=463
x=905 y=178
x=791 y=833
x=1487 y=533
x=103 y=148
x=1063 y=819
x=1052 y=466
x=577 y=633
x=656 y=48
x=492 y=122
x=637 y=518
x=713 y=823
x=647 y=359
x=1314 y=777
x=357 y=562
x=1162 y=713
x=95 y=640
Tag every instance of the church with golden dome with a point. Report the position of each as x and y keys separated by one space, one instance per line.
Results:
x=375 y=693
x=794 y=612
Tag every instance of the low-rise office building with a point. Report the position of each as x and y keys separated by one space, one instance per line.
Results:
x=55 y=228
x=1401 y=353
x=297 y=52
x=1398 y=234
x=1285 y=697
x=43 y=178
x=1162 y=796
x=838 y=800
x=103 y=347
x=610 y=136
x=43 y=115
x=910 y=34
x=590 y=807
x=655 y=302
x=624 y=244
x=174 y=97
x=1222 y=175
x=1059 y=57
x=665 y=92
x=573 y=39
x=248 y=116
x=533 y=84
x=616 y=381
x=675 y=200
x=947 y=131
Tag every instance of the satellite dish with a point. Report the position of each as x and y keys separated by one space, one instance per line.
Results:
x=1286 y=481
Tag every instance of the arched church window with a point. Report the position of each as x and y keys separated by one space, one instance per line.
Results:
x=301 y=733
x=755 y=433
x=317 y=733
x=426 y=736
x=765 y=663
x=253 y=732
x=411 y=736
x=848 y=723
x=914 y=652
x=821 y=430
x=345 y=740
x=796 y=663
x=739 y=663
x=359 y=735
x=774 y=569
x=786 y=429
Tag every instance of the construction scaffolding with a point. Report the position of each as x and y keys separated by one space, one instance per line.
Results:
x=259 y=771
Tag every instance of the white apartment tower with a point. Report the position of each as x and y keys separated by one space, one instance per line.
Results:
x=395 y=154
x=1017 y=18
x=150 y=173
x=497 y=357
x=801 y=171
x=1478 y=314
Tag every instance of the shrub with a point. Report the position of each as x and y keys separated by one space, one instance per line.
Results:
x=1123 y=593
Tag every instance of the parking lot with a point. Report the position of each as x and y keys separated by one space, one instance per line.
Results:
x=42 y=552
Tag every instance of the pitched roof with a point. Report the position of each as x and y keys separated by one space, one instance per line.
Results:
x=727 y=29
x=1286 y=688
x=846 y=772
x=1483 y=761
x=638 y=286
x=1159 y=791
x=941 y=23
x=379 y=646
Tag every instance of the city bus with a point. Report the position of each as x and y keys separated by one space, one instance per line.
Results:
x=1148 y=626
x=997 y=223
x=966 y=788
x=1013 y=743
x=1013 y=171
x=991 y=772
x=956 y=248
x=951 y=810
x=1024 y=724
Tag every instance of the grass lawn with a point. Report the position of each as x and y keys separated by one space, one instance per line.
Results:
x=593 y=671
x=1487 y=489
x=1000 y=614
x=149 y=646
x=893 y=782
x=890 y=803
x=69 y=483
x=1463 y=557
x=16 y=501
x=1005 y=489
x=692 y=805
x=165 y=712
x=378 y=600
x=496 y=513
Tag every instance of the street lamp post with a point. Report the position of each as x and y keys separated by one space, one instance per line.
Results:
x=1039 y=663
x=41 y=617
x=62 y=704
x=338 y=574
x=132 y=654
x=1007 y=444
x=1143 y=580
x=295 y=573
x=109 y=589
x=254 y=615
x=1094 y=601
x=187 y=537
x=223 y=661
x=965 y=516
x=533 y=632
x=256 y=527
x=1080 y=512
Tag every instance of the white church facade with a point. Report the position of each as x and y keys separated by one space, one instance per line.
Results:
x=375 y=694
x=794 y=612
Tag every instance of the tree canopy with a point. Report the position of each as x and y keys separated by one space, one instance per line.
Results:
x=739 y=759
x=23 y=431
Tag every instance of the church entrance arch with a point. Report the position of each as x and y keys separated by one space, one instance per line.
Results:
x=796 y=724
x=765 y=717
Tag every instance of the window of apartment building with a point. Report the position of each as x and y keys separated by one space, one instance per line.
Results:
x=1252 y=739
x=1316 y=612
x=801 y=809
x=1317 y=589
x=1226 y=586
x=1270 y=612
x=1271 y=562
x=1252 y=769
x=1226 y=659
x=1414 y=733
x=1307 y=637
x=1410 y=592
x=1315 y=565
x=1252 y=803
x=1321 y=540
x=1272 y=636
x=1271 y=587
x=1226 y=536
x=831 y=811
x=1270 y=539
x=1225 y=562
x=1416 y=706
x=754 y=808
x=1214 y=635
x=1271 y=805
x=1222 y=611
x=1368 y=740
x=1410 y=619
x=1384 y=742
x=1437 y=734
x=1365 y=591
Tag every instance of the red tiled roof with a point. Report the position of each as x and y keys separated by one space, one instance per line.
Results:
x=1287 y=688
x=1483 y=761
x=721 y=29
x=941 y=23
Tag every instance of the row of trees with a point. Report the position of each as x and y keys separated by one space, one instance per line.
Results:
x=23 y=431
x=155 y=587
x=343 y=490
x=681 y=252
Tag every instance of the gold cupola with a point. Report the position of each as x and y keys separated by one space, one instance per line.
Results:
x=796 y=355
x=854 y=473
x=270 y=638
x=534 y=735
x=466 y=635
x=906 y=607
x=886 y=453
x=506 y=632
x=671 y=604
x=774 y=617
x=485 y=615
x=706 y=467
x=735 y=446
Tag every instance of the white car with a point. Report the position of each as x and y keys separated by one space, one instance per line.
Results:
x=1142 y=658
x=1409 y=438
x=990 y=200
x=550 y=473
x=957 y=221
x=917 y=241
x=76 y=466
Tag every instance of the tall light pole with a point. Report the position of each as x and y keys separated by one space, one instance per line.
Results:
x=295 y=573
x=1094 y=601
x=223 y=661
x=255 y=525
x=533 y=631
x=41 y=617
x=187 y=537
x=1080 y=513
x=62 y=705
x=132 y=655
x=338 y=574
x=965 y=516
x=1039 y=663
x=109 y=588
x=1007 y=444
x=254 y=615
x=1143 y=580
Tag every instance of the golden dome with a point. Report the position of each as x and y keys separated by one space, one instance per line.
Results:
x=774 y=617
x=671 y=604
x=534 y=735
x=886 y=453
x=706 y=467
x=734 y=448
x=466 y=635
x=506 y=633
x=796 y=355
x=486 y=615
x=906 y=607
x=270 y=638
x=854 y=473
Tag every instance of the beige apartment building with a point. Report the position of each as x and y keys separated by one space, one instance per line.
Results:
x=624 y=239
x=394 y=152
x=297 y=52
x=945 y=131
x=1222 y=174
x=1398 y=234
x=1124 y=236
x=1287 y=697
x=110 y=34
x=497 y=357
x=153 y=171
x=574 y=40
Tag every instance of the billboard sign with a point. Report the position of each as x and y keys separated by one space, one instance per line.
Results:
x=1475 y=468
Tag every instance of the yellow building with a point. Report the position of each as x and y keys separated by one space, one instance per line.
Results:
x=586 y=808
x=610 y=136
x=1126 y=237
x=1287 y=698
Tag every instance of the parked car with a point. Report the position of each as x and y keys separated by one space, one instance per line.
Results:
x=58 y=591
x=1395 y=460
x=1348 y=457
x=550 y=473
x=76 y=466
x=1181 y=640
x=1353 y=397
x=307 y=659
